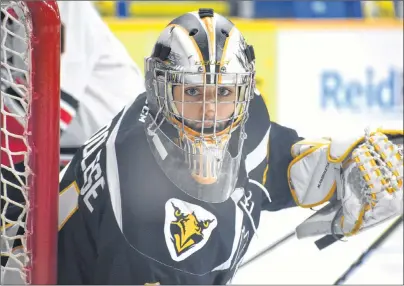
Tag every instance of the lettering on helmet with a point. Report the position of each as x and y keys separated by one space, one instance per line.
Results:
x=212 y=62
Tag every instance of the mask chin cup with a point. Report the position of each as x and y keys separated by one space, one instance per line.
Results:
x=204 y=180
x=205 y=159
x=204 y=171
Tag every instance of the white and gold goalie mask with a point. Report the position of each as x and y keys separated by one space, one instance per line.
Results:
x=199 y=80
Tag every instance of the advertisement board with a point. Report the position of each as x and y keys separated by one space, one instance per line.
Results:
x=331 y=82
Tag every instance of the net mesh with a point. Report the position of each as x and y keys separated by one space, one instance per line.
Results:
x=15 y=111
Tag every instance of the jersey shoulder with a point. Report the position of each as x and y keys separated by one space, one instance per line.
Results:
x=95 y=148
x=258 y=123
x=261 y=129
x=85 y=179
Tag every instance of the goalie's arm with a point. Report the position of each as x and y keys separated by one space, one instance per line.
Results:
x=76 y=247
x=83 y=202
x=275 y=178
x=267 y=150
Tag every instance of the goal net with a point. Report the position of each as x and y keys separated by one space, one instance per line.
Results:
x=29 y=121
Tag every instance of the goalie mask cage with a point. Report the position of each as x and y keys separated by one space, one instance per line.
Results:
x=30 y=112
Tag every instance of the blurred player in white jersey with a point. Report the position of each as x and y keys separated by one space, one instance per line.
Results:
x=98 y=77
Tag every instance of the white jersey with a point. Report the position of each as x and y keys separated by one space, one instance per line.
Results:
x=96 y=72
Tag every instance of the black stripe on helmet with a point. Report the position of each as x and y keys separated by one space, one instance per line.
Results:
x=222 y=31
x=191 y=23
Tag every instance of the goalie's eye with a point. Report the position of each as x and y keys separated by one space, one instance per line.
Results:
x=192 y=91
x=222 y=91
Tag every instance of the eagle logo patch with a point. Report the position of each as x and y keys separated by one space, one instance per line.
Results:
x=187 y=228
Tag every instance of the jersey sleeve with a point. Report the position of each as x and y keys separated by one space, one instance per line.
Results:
x=83 y=200
x=81 y=46
x=68 y=109
x=278 y=159
x=268 y=156
x=76 y=251
x=80 y=51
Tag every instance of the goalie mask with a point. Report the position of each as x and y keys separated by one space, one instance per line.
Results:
x=199 y=80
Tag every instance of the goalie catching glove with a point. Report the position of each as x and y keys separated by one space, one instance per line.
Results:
x=362 y=177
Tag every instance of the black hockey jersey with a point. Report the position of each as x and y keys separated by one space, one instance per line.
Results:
x=122 y=221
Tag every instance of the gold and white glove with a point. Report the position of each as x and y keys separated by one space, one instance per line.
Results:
x=365 y=174
x=369 y=179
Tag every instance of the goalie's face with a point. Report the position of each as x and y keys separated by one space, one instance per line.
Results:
x=199 y=80
x=205 y=108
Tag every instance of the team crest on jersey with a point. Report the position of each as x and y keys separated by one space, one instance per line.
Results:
x=187 y=228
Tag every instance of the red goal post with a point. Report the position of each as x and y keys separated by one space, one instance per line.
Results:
x=30 y=114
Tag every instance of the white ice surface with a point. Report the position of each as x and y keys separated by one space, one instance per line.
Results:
x=300 y=262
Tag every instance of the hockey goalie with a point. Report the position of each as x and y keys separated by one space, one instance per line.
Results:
x=171 y=190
